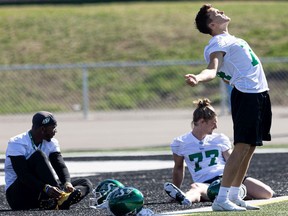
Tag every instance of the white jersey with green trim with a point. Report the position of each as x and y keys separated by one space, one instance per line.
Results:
x=241 y=67
x=203 y=158
x=21 y=145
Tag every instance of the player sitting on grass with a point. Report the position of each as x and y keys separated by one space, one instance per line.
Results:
x=205 y=154
x=30 y=181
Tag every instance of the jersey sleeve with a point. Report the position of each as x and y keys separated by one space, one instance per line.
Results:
x=15 y=149
x=51 y=147
x=56 y=146
x=176 y=147
x=216 y=44
x=225 y=142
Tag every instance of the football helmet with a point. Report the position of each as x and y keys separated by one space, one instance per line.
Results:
x=214 y=187
x=125 y=201
x=104 y=188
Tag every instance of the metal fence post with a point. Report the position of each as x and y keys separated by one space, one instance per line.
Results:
x=85 y=89
x=223 y=97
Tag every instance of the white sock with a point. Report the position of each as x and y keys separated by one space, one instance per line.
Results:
x=234 y=193
x=223 y=194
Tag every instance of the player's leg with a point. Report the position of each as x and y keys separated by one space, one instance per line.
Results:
x=82 y=184
x=239 y=177
x=197 y=193
x=252 y=129
x=19 y=196
x=257 y=189
x=235 y=171
x=236 y=166
x=40 y=167
x=248 y=123
x=244 y=115
x=176 y=194
x=235 y=189
x=231 y=172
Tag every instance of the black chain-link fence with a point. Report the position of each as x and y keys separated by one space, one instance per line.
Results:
x=119 y=86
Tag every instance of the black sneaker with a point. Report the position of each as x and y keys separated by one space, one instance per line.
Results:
x=68 y=199
x=176 y=193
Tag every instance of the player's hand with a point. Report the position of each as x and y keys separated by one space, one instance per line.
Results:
x=191 y=79
x=53 y=192
x=68 y=187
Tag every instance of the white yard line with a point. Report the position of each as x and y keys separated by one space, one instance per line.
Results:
x=209 y=209
x=87 y=168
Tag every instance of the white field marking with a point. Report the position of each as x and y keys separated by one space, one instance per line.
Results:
x=86 y=168
x=268 y=201
x=209 y=209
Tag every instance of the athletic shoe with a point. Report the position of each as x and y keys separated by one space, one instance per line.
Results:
x=48 y=204
x=226 y=206
x=244 y=204
x=176 y=193
x=68 y=199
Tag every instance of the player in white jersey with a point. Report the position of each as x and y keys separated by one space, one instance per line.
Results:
x=205 y=154
x=234 y=61
x=30 y=181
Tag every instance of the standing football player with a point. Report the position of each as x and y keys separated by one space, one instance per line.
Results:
x=205 y=154
x=233 y=60
x=30 y=181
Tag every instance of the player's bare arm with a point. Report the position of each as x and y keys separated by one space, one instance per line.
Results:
x=178 y=170
x=216 y=59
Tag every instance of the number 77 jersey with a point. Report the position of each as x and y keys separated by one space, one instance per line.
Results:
x=204 y=158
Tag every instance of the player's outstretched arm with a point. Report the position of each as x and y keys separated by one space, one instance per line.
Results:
x=216 y=59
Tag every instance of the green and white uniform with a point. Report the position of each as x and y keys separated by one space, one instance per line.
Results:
x=241 y=67
x=203 y=158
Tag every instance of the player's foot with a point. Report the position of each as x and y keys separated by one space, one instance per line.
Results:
x=48 y=204
x=68 y=199
x=176 y=193
x=226 y=206
x=244 y=204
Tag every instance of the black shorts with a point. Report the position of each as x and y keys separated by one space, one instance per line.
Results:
x=209 y=181
x=252 y=117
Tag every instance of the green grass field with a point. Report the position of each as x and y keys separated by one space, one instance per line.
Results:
x=279 y=209
x=268 y=207
x=131 y=31
x=135 y=31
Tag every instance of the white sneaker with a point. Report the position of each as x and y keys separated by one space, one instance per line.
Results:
x=226 y=206
x=244 y=204
x=176 y=193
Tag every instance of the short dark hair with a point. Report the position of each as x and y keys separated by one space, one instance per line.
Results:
x=202 y=19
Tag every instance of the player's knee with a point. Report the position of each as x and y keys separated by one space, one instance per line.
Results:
x=269 y=193
x=194 y=186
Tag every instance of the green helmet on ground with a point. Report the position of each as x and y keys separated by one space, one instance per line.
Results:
x=125 y=201
x=214 y=187
x=104 y=188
